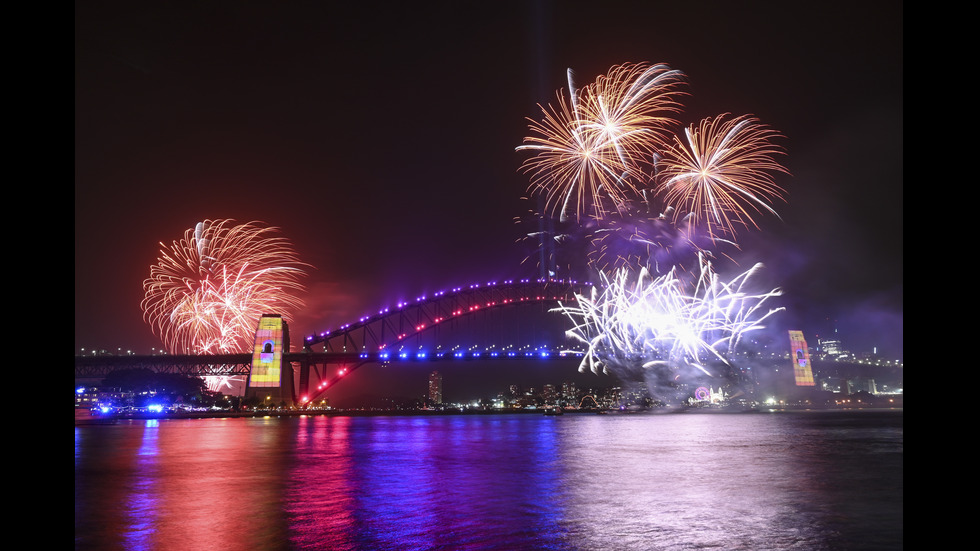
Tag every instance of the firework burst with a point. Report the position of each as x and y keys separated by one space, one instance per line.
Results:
x=590 y=149
x=665 y=330
x=631 y=109
x=722 y=173
x=207 y=291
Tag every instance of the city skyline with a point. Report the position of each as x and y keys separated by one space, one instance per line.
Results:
x=388 y=157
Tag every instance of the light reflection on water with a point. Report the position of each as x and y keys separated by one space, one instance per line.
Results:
x=808 y=481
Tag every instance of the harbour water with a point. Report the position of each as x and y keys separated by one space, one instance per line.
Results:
x=813 y=480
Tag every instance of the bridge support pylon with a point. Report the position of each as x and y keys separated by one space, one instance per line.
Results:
x=269 y=380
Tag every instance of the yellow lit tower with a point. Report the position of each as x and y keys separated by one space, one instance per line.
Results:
x=267 y=379
x=801 y=359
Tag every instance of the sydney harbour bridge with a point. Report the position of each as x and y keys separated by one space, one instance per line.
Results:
x=497 y=321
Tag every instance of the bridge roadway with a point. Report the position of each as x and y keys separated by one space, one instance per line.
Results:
x=227 y=365
x=96 y=368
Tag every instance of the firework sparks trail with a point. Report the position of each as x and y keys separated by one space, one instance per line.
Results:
x=217 y=383
x=665 y=330
x=207 y=291
x=573 y=169
x=588 y=151
x=722 y=171
x=631 y=109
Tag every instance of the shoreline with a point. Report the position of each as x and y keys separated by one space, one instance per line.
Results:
x=109 y=419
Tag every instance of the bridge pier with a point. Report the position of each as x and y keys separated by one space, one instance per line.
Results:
x=304 y=379
x=270 y=380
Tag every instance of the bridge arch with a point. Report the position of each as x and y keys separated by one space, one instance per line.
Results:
x=391 y=327
x=435 y=327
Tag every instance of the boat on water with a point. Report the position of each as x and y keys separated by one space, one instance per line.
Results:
x=553 y=410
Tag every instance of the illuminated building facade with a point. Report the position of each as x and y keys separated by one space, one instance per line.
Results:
x=267 y=379
x=435 y=387
x=831 y=347
x=802 y=370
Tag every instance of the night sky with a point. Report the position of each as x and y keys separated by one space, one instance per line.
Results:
x=381 y=139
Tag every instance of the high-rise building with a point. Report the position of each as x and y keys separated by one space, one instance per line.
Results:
x=549 y=394
x=435 y=387
x=568 y=391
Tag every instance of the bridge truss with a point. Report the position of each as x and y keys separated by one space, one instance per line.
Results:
x=438 y=317
x=507 y=320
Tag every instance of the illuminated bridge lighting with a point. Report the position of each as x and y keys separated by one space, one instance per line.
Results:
x=413 y=332
x=388 y=325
